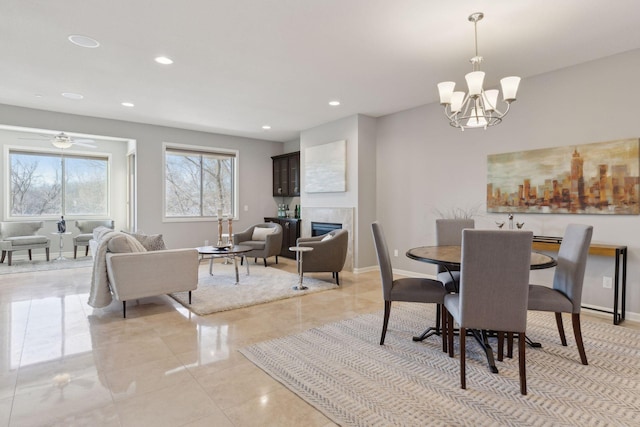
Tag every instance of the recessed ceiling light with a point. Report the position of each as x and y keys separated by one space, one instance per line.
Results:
x=128 y=104
x=164 y=60
x=72 y=95
x=37 y=95
x=83 y=41
x=266 y=127
x=334 y=103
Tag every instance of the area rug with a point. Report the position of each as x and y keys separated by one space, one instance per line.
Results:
x=264 y=284
x=342 y=371
x=26 y=266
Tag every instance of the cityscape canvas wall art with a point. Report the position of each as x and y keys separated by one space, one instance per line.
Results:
x=600 y=178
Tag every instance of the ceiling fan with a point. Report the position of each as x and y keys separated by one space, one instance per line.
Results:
x=62 y=140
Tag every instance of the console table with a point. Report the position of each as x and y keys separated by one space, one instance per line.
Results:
x=552 y=244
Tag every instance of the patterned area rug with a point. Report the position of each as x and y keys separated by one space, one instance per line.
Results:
x=219 y=292
x=342 y=371
x=26 y=266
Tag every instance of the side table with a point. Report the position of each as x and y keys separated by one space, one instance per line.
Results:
x=61 y=244
x=299 y=250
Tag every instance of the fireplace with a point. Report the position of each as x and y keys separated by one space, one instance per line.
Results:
x=320 y=228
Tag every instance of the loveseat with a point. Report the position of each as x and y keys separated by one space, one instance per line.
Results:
x=22 y=236
x=124 y=270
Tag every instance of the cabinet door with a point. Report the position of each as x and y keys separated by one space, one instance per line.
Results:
x=280 y=177
x=294 y=174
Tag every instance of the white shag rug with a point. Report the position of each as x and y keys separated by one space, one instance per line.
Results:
x=264 y=284
x=342 y=371
x=26 y=266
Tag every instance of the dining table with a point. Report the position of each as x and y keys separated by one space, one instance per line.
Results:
x=450 y=257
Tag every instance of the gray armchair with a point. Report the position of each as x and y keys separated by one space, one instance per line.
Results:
x=329 y=252
x=264 y=243
x=22 y=236
x=86 y=233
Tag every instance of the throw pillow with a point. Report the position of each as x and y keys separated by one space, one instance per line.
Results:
x=327 y=237
x=261 y=233
x=151 y=242
x=121 y=244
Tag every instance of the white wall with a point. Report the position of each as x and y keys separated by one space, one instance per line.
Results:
x=255 y=168
x=424 y=165
x=360 y=133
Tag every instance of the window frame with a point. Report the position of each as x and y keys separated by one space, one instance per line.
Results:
x=53 y=152
x=204 y=150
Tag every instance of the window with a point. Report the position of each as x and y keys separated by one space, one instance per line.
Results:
x=45 y=184
x=199 y=183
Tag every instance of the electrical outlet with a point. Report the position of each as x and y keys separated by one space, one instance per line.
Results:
x=246 y=208
x=607 y=282
x=395 y=252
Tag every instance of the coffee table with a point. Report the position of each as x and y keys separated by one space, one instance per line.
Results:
x=227 y=252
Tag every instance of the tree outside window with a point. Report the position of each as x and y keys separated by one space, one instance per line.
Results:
x=49 y=185
x=198 y=183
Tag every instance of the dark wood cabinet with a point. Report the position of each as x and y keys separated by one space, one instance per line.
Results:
x=286 y=175
x=290 y=234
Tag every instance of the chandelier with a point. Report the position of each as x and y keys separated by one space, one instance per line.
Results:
x=478 y=108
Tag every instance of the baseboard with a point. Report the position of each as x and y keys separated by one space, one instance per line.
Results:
x=365 y=269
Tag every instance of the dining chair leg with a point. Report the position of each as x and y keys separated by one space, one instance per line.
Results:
x=509 y=345
x=577 y=333
x=463 y=357
x=30 y=259
x=385 y=322
x=563 y=339
x=522 y=363
x=443 y=330
x=450 y=326
x=500 y=346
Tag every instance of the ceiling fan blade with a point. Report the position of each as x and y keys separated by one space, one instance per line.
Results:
x=82 y=144
x=34 y=139
x=83 y=140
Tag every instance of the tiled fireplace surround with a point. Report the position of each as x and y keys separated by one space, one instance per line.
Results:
x=344 y=216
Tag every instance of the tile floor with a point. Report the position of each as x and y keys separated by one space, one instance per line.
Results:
x=65 y=363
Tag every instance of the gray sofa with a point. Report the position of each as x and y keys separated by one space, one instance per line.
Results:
x=22 y=236
x=86 y=228
x=329 y=252
x=264 y=239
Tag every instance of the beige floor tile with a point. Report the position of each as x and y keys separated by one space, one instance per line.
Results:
x=62 y=398
x=170 y=406
x=280 y=408
x=148 y=377
x=238 y=384
x=125 y=354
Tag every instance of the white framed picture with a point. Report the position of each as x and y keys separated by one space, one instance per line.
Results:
x=325 y=168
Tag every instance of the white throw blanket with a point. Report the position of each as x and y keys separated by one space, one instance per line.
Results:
x=100 y=293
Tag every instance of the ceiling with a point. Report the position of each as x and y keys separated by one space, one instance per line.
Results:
x=242 y=64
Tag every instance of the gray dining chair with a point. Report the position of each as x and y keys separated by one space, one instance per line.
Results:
x=409 y=289
x=494 y=288
x=566 y=294
x=449 y=233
